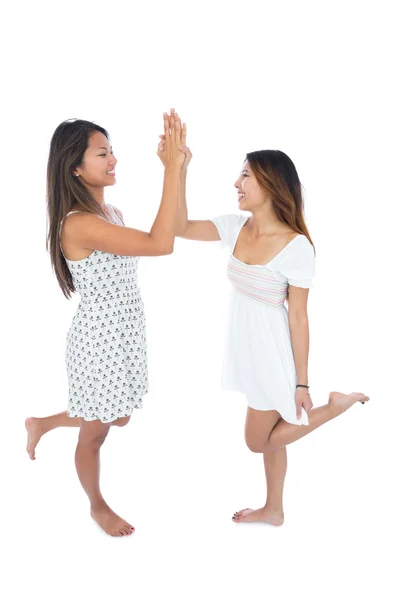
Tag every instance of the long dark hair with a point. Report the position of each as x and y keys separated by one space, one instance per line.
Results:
x=277 y=176
x=64 y=190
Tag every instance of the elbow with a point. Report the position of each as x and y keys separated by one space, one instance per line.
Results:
x=167 y=249
x=298 y=318
x=180 y=232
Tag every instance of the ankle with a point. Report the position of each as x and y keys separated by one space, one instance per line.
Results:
x=45 y=424
x=274 y=507
x=98 y=504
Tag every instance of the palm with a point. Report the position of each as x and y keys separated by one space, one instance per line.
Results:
x=188 y=154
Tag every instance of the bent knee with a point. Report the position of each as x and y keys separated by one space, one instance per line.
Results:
x=122 y=421
x=256 y=445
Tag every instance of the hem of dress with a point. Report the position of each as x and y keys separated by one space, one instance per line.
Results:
x=97 y=418
x=288 y=420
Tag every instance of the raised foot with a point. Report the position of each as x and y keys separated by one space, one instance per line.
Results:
x=261 y=515
x=110 y=522
x=35 y=432
x=341 y=402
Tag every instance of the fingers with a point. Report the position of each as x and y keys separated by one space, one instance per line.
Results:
x=177 y=126
x=174 y=134
x=298 y=410
x=166 y=125
x=166 y=129
x=183 y=136
x=172 y=125
x=174 y=116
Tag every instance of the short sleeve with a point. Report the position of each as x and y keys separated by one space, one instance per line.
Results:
x=228 y=228
x=298 y=264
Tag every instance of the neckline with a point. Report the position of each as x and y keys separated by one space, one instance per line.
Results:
x=265 y=264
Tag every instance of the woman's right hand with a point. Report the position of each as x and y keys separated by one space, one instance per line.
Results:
x=170 y=153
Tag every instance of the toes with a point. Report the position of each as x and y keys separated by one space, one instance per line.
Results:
x=240 y=512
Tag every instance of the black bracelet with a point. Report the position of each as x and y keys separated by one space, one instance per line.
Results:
x=300 y=385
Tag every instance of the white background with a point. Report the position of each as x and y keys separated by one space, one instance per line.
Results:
x=316 y=80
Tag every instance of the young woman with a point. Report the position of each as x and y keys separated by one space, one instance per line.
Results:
x=271 y=262
x=92 y=252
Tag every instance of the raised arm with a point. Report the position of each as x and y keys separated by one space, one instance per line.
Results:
x=204 y=231
x=90 y=231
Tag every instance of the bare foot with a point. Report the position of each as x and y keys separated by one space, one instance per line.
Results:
x=110 y=522
x=341 y=402
x=261 y=515
x=35 y=432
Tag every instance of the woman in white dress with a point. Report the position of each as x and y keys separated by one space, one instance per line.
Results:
x=93 y=253
x=271 y=262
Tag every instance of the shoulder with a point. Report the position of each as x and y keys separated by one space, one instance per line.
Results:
x=299 y=247
x=297 y=263
x=228 y=226
x=228 y=223
x=230 y=218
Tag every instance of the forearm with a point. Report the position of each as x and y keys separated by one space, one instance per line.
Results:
x=300 y=338
x=182 y=215
x=164 y=226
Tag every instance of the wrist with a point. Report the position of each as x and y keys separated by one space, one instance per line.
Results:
x=174 y=168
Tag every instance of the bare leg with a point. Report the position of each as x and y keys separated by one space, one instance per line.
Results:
x=87 y=460
x=266 y=429
x=275 y=463
x=285 y=433
x=37 y=427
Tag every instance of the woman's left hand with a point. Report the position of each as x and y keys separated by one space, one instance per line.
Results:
x=303 y=400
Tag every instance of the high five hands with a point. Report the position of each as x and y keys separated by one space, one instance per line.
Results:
x=174 y=138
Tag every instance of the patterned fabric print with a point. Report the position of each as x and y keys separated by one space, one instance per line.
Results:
x=256 y=282
x=106 y=350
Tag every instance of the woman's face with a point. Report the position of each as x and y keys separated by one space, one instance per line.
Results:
x=98 y=165
x=250 y=194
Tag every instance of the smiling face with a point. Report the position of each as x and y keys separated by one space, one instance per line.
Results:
x=250 y=194
x=98 y=165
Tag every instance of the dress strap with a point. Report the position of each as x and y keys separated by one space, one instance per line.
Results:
x=116 y=214
x=73 y=211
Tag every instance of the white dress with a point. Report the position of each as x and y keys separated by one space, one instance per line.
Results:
x=258 y=358
x=106 y=348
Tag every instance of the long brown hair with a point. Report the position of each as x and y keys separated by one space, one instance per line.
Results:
x=277 y=176
x=64 y=190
